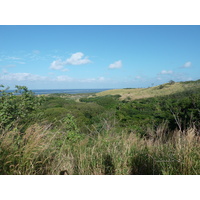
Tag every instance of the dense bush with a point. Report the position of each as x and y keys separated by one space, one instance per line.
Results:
x=179 y=111
x=17 y=107
x=108 y=101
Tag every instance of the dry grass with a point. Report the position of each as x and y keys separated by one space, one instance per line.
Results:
x=140 y=93
x=43 y=151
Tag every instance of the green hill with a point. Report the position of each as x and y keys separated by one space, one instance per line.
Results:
x=160 y=90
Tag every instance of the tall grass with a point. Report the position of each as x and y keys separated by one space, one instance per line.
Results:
x=41 y=150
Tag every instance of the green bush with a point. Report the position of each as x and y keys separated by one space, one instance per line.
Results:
x=16 y=109
x=161 y=87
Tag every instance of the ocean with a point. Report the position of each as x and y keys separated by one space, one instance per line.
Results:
x=67 y=91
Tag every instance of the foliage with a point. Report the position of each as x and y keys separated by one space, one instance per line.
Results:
x=108 y=101
x=161 y=86
x=17 y=106
x=171 y=82
x=99 y=135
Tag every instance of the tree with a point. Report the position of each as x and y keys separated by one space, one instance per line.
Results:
x=171 y=82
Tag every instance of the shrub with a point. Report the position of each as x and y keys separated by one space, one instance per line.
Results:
x=161 y=87
x=171 y=82
x=17 y=108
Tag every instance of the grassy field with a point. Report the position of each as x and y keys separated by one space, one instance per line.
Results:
x=161 y=90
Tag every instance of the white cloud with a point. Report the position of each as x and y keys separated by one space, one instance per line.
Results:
x=57 y=65
x=166 y=72
x=6 y=76
x=21 y=77
x=77 y=59
x=63 y=78
x=187 y=65
x=116 y=65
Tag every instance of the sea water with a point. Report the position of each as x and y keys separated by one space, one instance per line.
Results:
x=66 y=91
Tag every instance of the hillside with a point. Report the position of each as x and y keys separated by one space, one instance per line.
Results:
x=57 y=134
x=160 y=90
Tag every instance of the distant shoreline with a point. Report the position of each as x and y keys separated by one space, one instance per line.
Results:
x=65 y=91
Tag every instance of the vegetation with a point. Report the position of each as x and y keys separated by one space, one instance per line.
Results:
x=161 y=90
x=101 y=134
x=17 y=109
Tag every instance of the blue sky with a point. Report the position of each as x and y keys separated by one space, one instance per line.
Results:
x=78 y=57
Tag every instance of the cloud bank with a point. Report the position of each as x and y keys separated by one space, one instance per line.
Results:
x=22 y=77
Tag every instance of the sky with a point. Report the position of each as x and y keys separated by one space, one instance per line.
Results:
x=89 y=56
